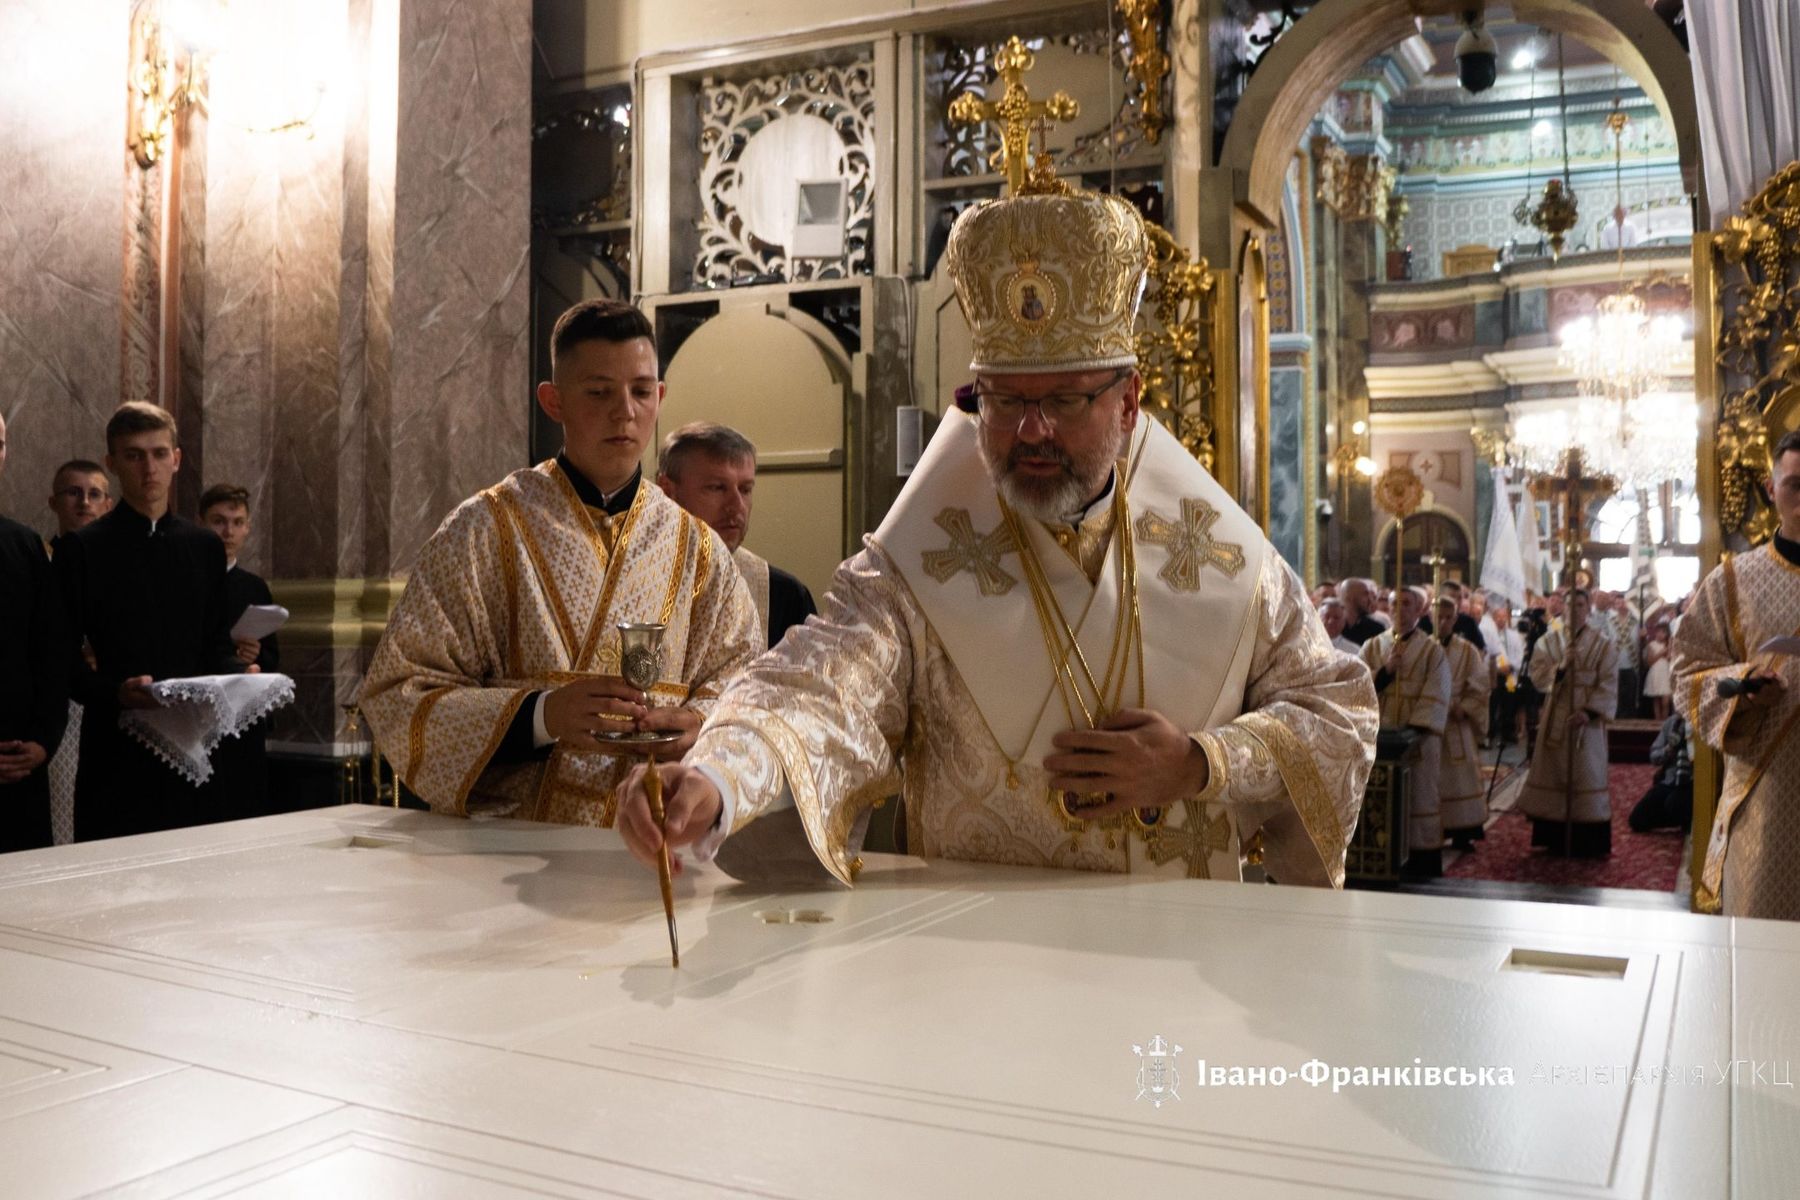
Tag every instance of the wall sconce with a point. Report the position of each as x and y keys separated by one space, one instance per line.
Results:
x=262 y=66
x=168 y=77
x=1352 y=453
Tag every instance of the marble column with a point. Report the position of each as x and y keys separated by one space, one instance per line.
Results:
x=62 y=148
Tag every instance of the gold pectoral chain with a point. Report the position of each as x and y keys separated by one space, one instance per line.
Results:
x=1061 y=644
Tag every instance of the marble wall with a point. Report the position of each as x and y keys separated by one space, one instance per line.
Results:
x=1287 y=488
x=62 y=192
x=461 y=254
x=355 y=314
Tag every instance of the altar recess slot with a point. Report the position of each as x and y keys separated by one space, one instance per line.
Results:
x=792 y=916
x=1549 y=962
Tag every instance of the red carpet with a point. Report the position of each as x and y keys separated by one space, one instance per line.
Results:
x=1639 y=860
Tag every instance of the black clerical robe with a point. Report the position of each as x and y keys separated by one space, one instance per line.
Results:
x=34 y=680
x=149 y=597
x=241 y=763
x=790 y=603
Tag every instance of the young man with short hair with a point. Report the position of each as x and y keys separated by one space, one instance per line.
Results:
x=242 y=761
x=147 y=591
x=710 y=470
x=502 y=661
x=79 y=495
x=33 y=682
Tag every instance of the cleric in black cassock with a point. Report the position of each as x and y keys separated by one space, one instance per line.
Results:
x=34 y=697
x=147 y=591
x=241 y=762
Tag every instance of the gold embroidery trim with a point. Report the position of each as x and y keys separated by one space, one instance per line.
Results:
x=509 y=574
x=790 y=753
x=507 y=713
x=1305 y=787
x=614 y=568
x=559 y=611
x=415 y=734
x=703 y=569
x=1780 y=561
x=1217 y=773
x=1731 y=611
x=688 y=521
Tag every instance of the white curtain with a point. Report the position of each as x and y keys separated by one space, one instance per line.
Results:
x=1746 y=56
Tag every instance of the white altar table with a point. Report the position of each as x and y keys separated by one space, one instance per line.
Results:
x=366 y=1001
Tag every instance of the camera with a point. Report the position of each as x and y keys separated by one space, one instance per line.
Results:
x=1533 y=623
x=1477 y=57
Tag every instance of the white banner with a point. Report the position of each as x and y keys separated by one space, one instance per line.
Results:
x=1503 y=569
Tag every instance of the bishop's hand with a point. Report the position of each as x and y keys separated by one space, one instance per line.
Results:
x=1139 y=757
x=691 y=806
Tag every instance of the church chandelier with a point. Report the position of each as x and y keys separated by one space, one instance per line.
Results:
x=1628 y=423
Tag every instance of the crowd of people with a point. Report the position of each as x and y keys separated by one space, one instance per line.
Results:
x=1486 y=695
x=123 y=594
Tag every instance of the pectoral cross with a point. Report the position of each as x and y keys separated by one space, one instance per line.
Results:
x=1015 y=112
x=1196 y=840
x=970 y=551
x=1191 y=545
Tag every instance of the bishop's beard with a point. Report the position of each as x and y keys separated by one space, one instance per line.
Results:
x=1052 y=498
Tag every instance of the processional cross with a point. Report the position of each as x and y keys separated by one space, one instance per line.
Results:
x=1576 y=490
x=1015 y=112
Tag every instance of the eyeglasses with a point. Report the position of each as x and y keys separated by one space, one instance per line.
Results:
x=1003 y=410
x=78 y=494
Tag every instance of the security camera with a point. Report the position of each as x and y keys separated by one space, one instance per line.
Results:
x=1324 y=510
x=1477 y=56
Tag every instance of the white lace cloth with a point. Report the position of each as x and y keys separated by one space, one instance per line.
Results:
x=200 y=712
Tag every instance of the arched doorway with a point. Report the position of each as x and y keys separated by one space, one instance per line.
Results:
x=1336 y=36
x=1434 y=546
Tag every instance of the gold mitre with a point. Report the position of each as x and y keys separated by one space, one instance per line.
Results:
x=1050 y=282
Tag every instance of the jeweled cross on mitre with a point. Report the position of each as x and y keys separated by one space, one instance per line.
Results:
x=1015 y=112
x=1191 y=545
x=970 y=551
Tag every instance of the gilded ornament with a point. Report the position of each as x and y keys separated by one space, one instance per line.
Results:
x=1016 y=113
x=1149 y=65
x=1555 y=214
x=1758 y=345
x=1174 y=344
x=1399 y=491
x=1190 y=544
x=1331 y=171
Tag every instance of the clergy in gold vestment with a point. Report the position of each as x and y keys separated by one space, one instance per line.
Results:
x=1577 y=669
x=502 y=657
x=1065 y=642
x=1412 y=678
x=1461 y=796
x=1753 y=854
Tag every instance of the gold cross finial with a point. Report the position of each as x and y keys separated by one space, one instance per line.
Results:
x=1015 y=112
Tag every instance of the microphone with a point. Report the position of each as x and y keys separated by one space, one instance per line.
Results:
x=1739 y=687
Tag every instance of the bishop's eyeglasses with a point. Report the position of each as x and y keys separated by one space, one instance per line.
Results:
x=1004 y=410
